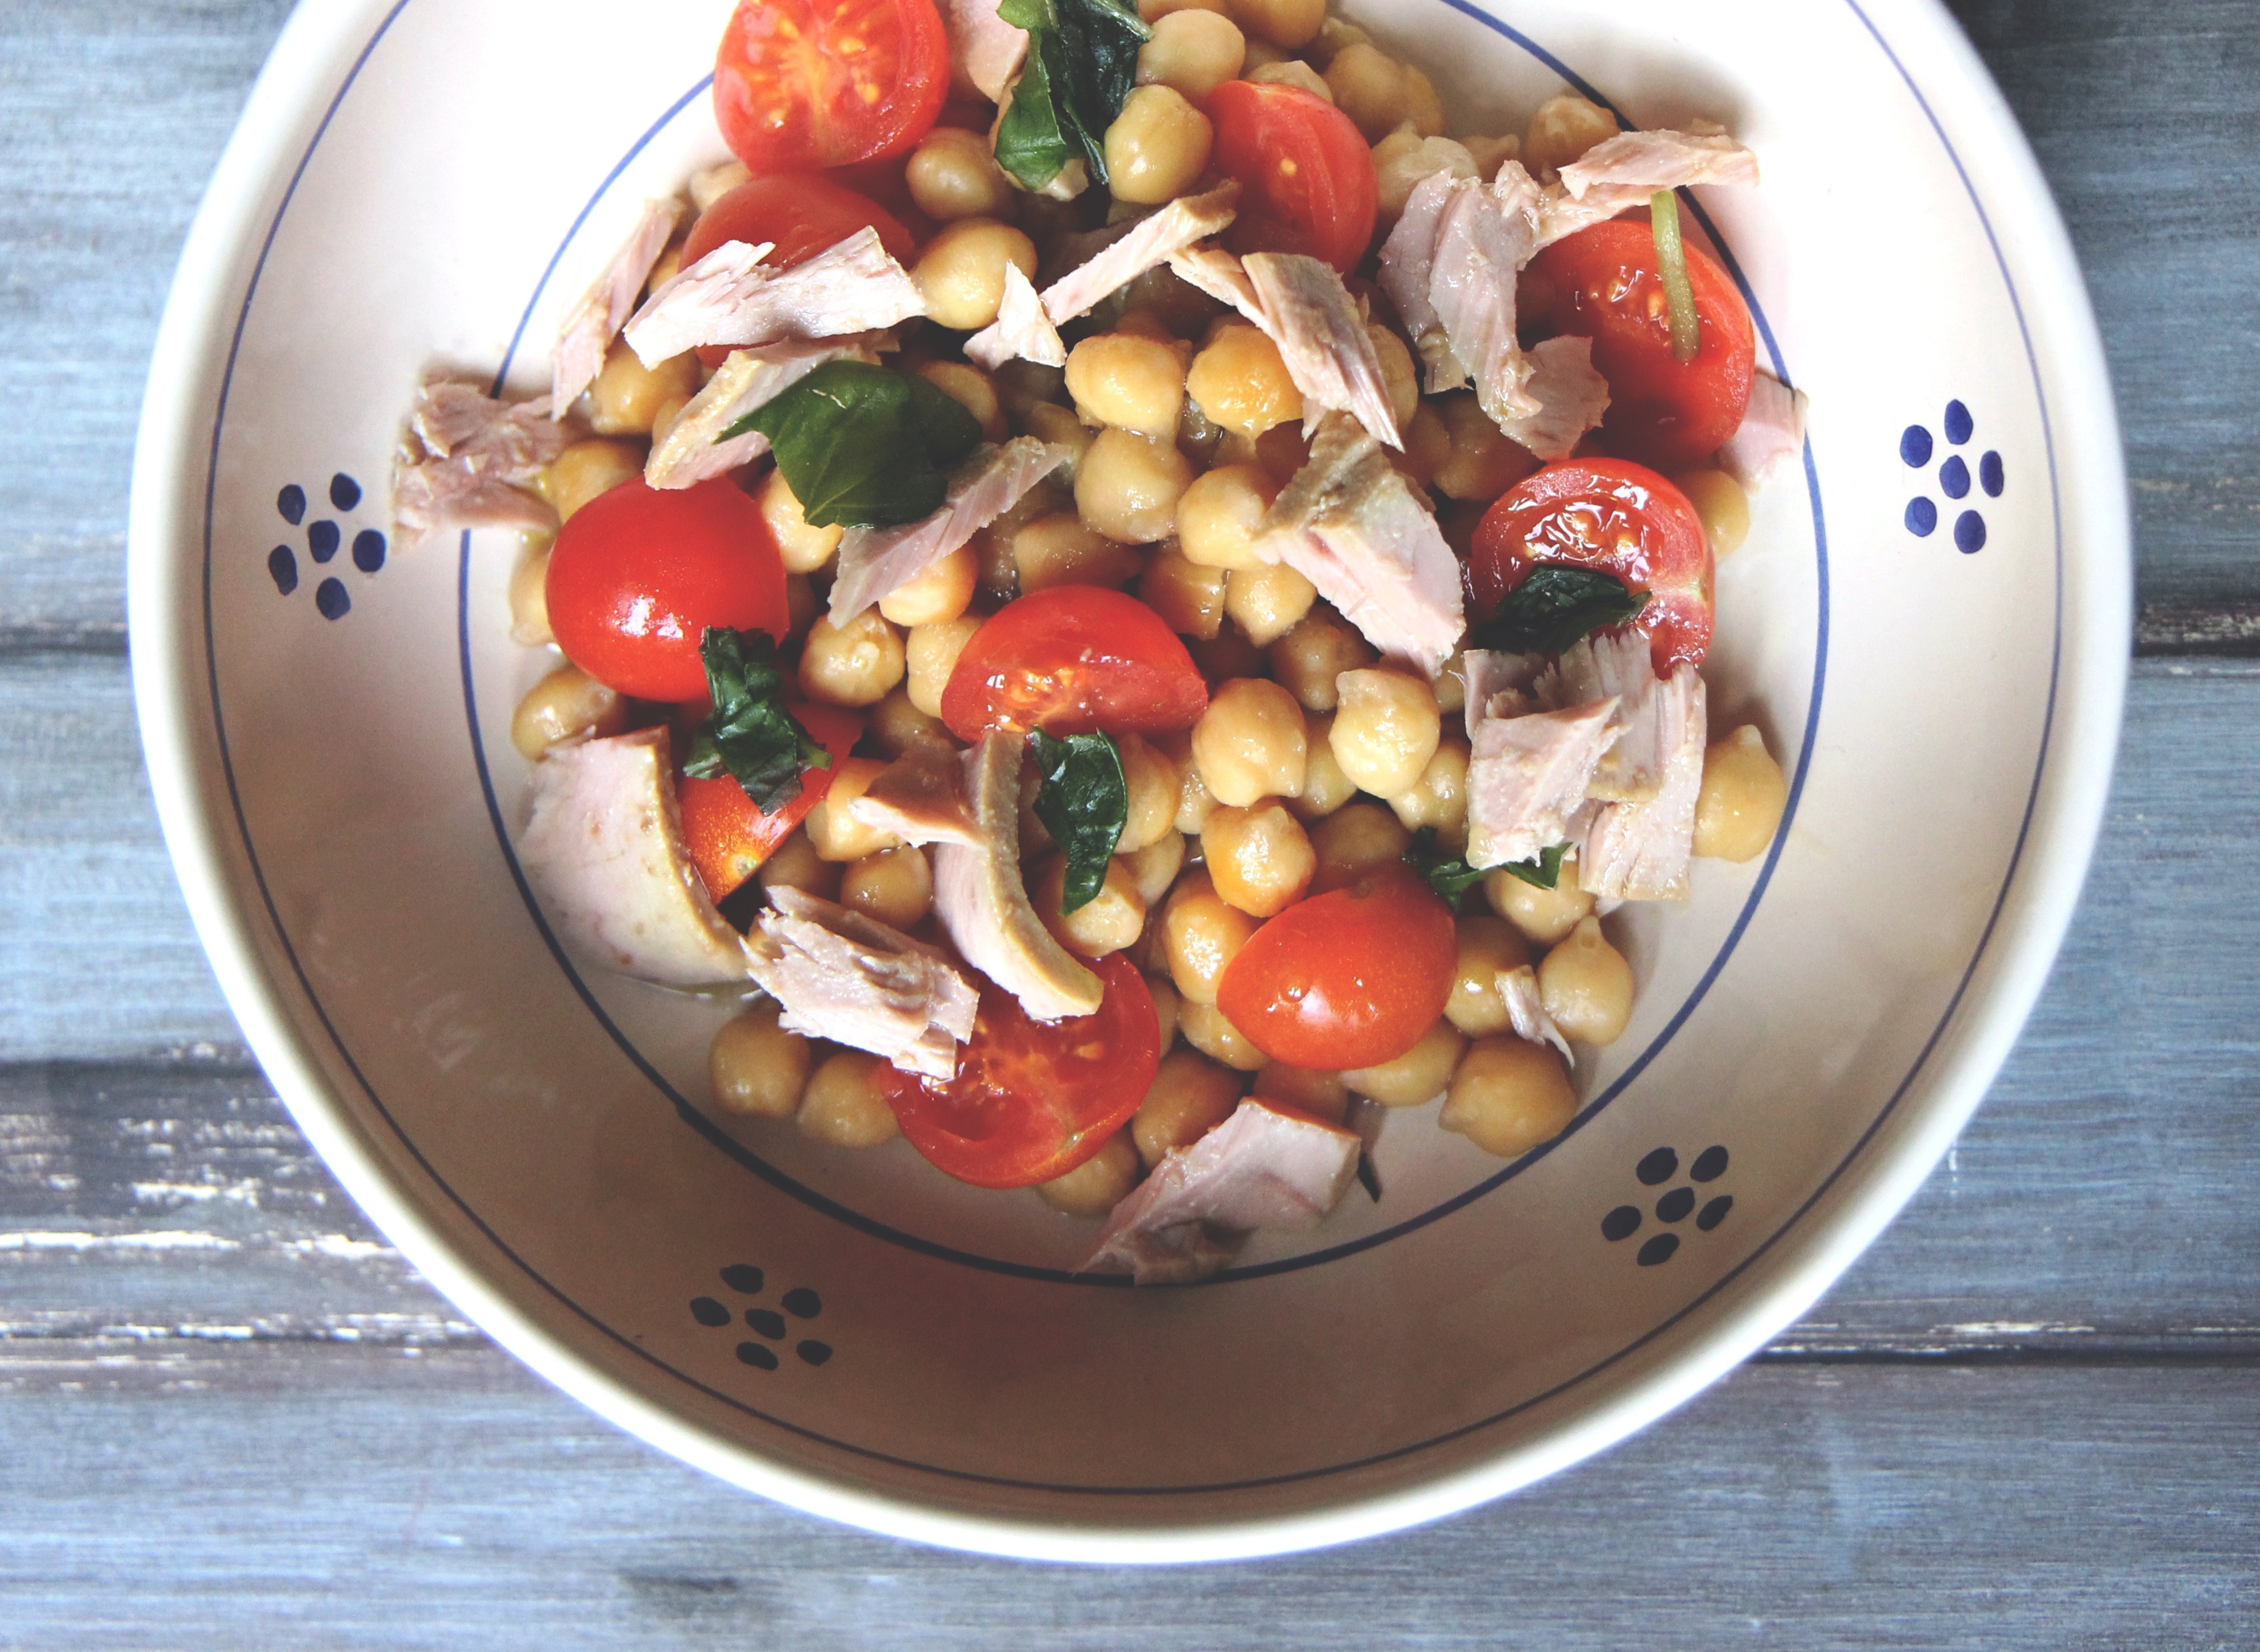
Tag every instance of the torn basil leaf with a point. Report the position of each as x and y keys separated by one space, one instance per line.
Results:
x=750 y=737
x=1448 y=874
x=863 y=445
x=1554 y=607
x=1082 y=803
x=1672 y=269
x=1082 y=63
x=1542 y=873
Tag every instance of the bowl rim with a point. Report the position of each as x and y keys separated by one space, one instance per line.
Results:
x=1743 y=1311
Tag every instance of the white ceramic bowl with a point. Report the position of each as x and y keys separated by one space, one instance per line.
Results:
x=432 y=181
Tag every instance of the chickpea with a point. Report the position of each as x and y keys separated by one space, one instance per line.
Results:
x=1422 y=107
x=1386 y=730
x=1126 y=381
x=1562 y=131
x=1099 y=1183
x=941 y=593
x=1059 y=550
x=854 y=664
x=971 y=390
x=1417 y=1077
x=566 y=702
x=1250 y=742
x=1724 y=508
x=1335 y=35
x=1586 y=986
x=1309 y=661
x=1356 y=837
x=1325 y=787
x=1108 y=922
x=953 y=174
x=1543 y=916
x=1189 y=599
x=1240 y=381
x=1151 y=779
x=1402 y=157
x=834 y=833
x=1265 y=603
x=1289 y=24
x=1739 y=809
x=795 y=864
x=1292 y=72
x=1201 y=934
x=1195 y=802
x=1127 y=486
x=1211 y=1031
x=1154 y=11
x=1451 y=686
x=1488 y=949
x=1482 y=463
x=529 y=599
x=1190 y=1095
x=1134 y=323
x=715 y=181
x=1219 y=515
x=962 y=273
x=1258 y=859
x=1023 y=386
x=1491 y=153
x=843 y=1105
x=626 y=394
x=894 y=886
x=1049 y=422
x=1321 y=1095
x=756 y=1069
x=1508 y=1096
x=896 y=725
x=585 y=470
x=1193 y=51
x=1397 y=372
x=1438 y=800
x=1227 y=655
x=803 y=548
x=1368 y=86
x=1155 y=866
x=1427 y=451
x=930 y=655
x=1157 y=146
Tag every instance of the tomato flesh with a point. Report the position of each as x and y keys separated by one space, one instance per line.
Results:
x=805 y=84
x=1349 y=978
x=638 y=574
x=801 y=213
x=1306 y=177
x=726 y=831
x=1031 y=1099
x=1615 y=518
x=1074 y=660
x=1603 y=283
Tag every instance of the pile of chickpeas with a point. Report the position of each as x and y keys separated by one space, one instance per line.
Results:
x=1312 y=757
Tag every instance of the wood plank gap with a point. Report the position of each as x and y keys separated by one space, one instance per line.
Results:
x=2221 y=630
x=98 y=638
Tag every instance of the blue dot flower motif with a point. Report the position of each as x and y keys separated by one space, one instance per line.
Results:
x=324 y=538
x=1918 y=447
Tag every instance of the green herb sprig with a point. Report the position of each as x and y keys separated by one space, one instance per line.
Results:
x=1083 y=803
x=1671 y=264
x=1082 y=63
x=1554 y=607
x=863 y=445
x=750 y=737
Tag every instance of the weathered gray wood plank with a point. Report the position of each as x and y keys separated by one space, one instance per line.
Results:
x=448 y=1501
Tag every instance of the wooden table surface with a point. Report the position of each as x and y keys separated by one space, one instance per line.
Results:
x=231 y=1416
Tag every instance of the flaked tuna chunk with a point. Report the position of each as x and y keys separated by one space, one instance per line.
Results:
x=589 y=328
x=1309 y=315
x=1772 y=438
x=875 y=561
x=604 y=851
x=1350 y=524
x=1484 y=236
x=1615 y=176
x=467 y=458
x=730 y=297
x=1572 y=397
x=1213 y=270
x=1146 y=244
x=1528 y=777
x=1496 y=685
x=1022 y=327
x=686 y=452
x=985 y=51
x=1268 y=1165
x=1617 y=664
x=1408 y=264
x=1526 y=1010
x=842 y=975
x=1640 y=851
x=978 y=894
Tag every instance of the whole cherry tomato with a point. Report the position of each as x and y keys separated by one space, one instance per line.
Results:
x=1615 y=518
x=640 y=573
x=1074 y=660
x=1032 y=1100
x=800 y=85
x=1349 y=978
x=1306 y=177
x=1603 y=283
x=726 y=831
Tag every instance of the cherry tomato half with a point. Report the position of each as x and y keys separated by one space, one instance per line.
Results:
x=1031 y=1099
x=1307 y=182
x=1074 y=660
x=805 y=84
x=727 y=834
x=1603 y=283
x=1350 y=978
x=802 y=213
x=638 y=574
x=1614 y=517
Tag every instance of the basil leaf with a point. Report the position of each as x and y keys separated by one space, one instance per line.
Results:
x=948 y=432
x=1082 y=64
x=1082 y=803
x=1671 y=268
x=1542 y=873
x=1448 y=874
x=863 y=445
x=1554 y=607
x=751 y=737
x=1027 y=14
x=1030 y=145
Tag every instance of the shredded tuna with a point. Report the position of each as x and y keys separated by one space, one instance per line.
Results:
x=1309 y=315
x=1268 y=1165
x=923 y=797
x=875 y=561
x=604 y=850
x=467 y=460
x=1617 y=175
x=1619 y=665
x=1022 y=327
x=1526 y=1010
x=1496 y=685
x=1572 y=397
x=985 y=51
x=1213 y=270
x=589 y=330
x=1450 y=267
x=688 y=452
x=842 y=975
x=1640 y=851
x=1350 y=524
x=730 y=297
x=1529 y=776
x=1771 y=437
x=1408 y=264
